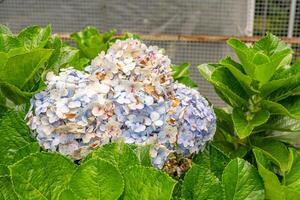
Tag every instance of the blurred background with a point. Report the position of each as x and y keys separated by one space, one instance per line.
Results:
x=192 y=31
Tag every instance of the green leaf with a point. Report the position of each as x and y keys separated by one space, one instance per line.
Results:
x=90 y=42
x=143 y=154
x=224 y=83
x=181 y=74
x=244 y=55
x=289 y=106
x=270 y=44
x=5 y=30
x=34 y=37
x=21 y=69
x=30 y=148
x=286 y=83
x=244 y=127
x=4 y=171
x=97 y=179
x=41 y=176
x=274 y=150
x=147 y=183
x=264 y=72
x=20 y=76
x=213 y=159
x=68 y=195
x=272 y=185
x=119 y=154
x=241 y=181
x=14 y=136
x=243 y=79
x=201 y=184
x=292 y=178
x=6 y=189
x=8 y=42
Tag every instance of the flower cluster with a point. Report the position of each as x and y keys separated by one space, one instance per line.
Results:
x=125 y=94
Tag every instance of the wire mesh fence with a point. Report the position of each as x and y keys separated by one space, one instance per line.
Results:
x=165 y=17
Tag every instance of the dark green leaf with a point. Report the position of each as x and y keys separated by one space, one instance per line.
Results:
x=243 y=79
x=6 y=189
x=4 y=171
x=213 y=159
x=225 y=83
x=274 y=150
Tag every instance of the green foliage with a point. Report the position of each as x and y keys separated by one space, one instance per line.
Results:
x=239 y=180
x=200 y=184
x=147 y=183
x=253 y=155
x=181 y=74
x=261 y=91
x=90 y=42
x=26 y=57
x=97 y=179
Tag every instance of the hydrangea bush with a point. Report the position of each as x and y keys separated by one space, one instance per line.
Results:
x=111 y=119
x=125 y=94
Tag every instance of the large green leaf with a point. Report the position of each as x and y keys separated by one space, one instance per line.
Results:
x=289 y=106
x=6 y=189
x=274 y=150
x=213 y=159
x=14 y=137
x=147 y=183
x=34 y=37
x=23 y=69
x=244 y=127
x=224 y=82
x=201 y=184
x=21 y=74
x=242 y=181
x=41 y=176
x=119 y=154
x=97 y=179
x=273 y=188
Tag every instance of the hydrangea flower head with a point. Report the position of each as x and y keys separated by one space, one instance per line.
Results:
x=125 y=94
